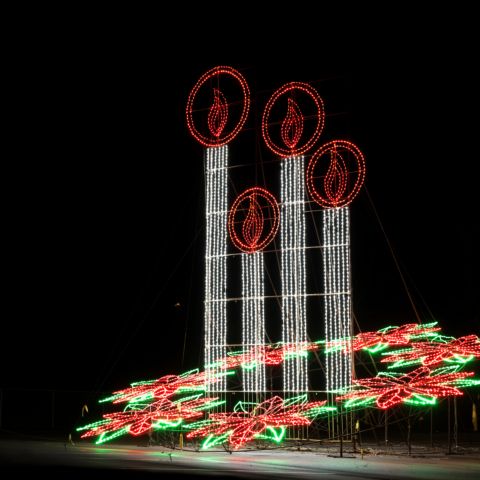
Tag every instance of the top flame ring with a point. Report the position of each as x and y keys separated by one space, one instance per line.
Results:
x=253 y=220
x=292 y=127
x=218 y=113
x=335 y=174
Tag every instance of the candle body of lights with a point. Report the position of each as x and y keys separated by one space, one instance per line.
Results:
x=216 y=164
x=292 y=232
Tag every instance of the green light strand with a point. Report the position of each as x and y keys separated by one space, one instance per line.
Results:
x=166 y=424
x=107 y=436
x=359 y=402
x=211 y=440
x=422 y=400
x=274 y=434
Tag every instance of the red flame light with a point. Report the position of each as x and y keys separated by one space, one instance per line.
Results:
x=292 y=125
x=217 y=134
x=286 y=143
x=218 y=114
x=254 y=230
x=337 y=185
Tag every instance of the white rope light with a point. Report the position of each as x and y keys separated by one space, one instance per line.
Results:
x=292 y=227
x=253 y=319
x=336 y=267
x=215 y=264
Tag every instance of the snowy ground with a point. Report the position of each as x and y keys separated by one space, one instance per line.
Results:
x=122 y=460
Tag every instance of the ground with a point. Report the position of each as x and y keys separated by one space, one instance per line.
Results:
x=63 y=460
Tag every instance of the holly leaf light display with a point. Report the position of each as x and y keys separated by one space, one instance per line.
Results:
x=138 y=418
x=421 y=386
x=459 y=350
x=177 y=402
x=164 y=387
x=243 y=425
x=271 y=355
x=384 y=338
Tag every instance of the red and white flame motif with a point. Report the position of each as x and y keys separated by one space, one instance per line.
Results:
x=253 y=225
x=254 y=230
x=288 y=139
x=336 y=183
x=223 y=123
x=218 y=114
x=292 y=125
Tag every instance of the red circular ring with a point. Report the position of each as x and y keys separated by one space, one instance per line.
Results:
x=322 y=200
x=272 y=202
x=208 y=141
x=309 y=90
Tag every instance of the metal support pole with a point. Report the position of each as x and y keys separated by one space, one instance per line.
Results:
x=449 y=437
x=455 y=423
x=386 y=428
x=431 y=427
x=53 y=410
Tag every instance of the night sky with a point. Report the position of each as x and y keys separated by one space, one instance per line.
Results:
x=104 y=215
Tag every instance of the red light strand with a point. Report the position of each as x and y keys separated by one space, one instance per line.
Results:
x=390 y=391
x=244 y=426
x=218 y=114
x=253 y=236
x=336 y=183
x=432 y=353
x=292 y=126
x=217 y=118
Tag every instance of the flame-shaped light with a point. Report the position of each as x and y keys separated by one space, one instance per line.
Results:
x=335 y=182
x=218 y=114
x=253 y=220
x=253 y=225
x=292 y=125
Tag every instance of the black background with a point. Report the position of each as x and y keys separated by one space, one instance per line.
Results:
x=103 y=212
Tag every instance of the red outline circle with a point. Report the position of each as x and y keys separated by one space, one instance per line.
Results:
x=272 y=201
x=309 y=90
x=353 y=149
x=217 y=142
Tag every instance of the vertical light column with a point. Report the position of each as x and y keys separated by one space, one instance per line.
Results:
x=253 y=319
x=294 y=324
x=337 y=290
x=215 y=265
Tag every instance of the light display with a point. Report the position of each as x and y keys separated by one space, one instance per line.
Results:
x=335 y=174
x=161 y=405
x=386 y=337
x=252 y=223
x=334 y=177
x=216 y=262
x=217 y=109
x=293 y=273
x=291 y=137
x=271 y=355
x=418 y=387
x=138 y=418
x=459 y=350
x=218 y=114
x=217 y=129
x=337 y=290
x=292 y=125
x=243 y=425
x=253 y=318
x=253 y=220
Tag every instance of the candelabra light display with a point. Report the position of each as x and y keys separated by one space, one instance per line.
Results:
x=421 y=365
